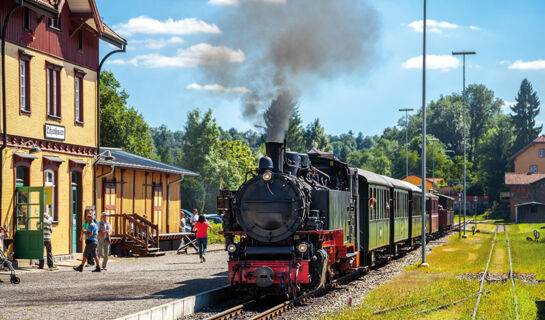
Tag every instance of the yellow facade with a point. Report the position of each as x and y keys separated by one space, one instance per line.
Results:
x=417 y=181
x=530 y=157
x=23 y=127
x=134 y=193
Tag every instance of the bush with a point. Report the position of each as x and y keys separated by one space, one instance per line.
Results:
x=214 y=235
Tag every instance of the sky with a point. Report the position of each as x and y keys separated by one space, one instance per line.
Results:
x=169 y=55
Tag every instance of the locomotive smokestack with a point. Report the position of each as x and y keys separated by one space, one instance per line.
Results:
x=275 y=151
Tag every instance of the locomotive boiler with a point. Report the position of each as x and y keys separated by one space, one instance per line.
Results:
x=293 y=219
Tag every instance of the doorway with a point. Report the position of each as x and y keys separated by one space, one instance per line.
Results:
x=75 y=210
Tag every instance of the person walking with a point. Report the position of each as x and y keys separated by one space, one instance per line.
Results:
x=88 y=211
x=48 y=228
x=104 y=233
x=91 y=242
x=202 y=227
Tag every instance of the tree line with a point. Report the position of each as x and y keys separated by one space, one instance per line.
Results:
x=224 y=156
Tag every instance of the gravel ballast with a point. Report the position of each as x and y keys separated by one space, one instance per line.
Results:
x=128 y=286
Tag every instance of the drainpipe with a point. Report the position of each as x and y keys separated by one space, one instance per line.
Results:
x=168 y=196
x=4 y=130
x=123 y=49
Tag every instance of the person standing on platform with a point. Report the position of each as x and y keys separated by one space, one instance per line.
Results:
x=104 y=233
x=195 y=217
x=48 y=228
x=91 y=242
x=202 y=227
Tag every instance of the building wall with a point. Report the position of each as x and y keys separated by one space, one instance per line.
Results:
x=32 y=125
x=60 y=44
x=530 y=157
x=417 y=181
x=59 y=48
x=60 y=238
x=134 y=194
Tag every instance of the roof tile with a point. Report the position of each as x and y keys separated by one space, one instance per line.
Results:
x=522 y=178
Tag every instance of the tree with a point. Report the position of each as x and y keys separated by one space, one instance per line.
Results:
x=200 y=136
x=295 y=140
x=122 y=126
x=482 y=106
x=524 y=117
x=493 y=155
x=315 y=137
x=165 y=144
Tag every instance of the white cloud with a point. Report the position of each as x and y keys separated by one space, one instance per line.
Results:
x=506 y=107
x=436 y=26
x=157 y=43
x=528 y=65
x=148 y=25
x=199 y=54
x=216 y=88
x=237 y=2
x=441 y=62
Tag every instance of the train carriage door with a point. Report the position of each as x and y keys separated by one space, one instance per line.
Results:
x=158 y=206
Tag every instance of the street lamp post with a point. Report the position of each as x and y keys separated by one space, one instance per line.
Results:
x=406 y=110
x=433 y=163
x=464 y=53
x=424 y=263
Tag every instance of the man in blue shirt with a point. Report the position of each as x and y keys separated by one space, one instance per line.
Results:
x=91 y=242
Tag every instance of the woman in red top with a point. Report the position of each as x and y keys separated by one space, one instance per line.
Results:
x=202 y=227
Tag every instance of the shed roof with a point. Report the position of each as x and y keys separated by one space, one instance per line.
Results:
x=127 y=159
x=522 y=178
x=540 y=139
x=529 y=204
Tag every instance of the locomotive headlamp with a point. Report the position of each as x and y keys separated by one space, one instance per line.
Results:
x=267 y=175
x=302 y=247
x=231 y=247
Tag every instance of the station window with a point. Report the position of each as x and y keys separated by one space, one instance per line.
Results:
x=533 y=168
x=541 y=153
x=24 y=82
x=51 y=181
x=78 y=97
x=80 y=40
x=21 y=176
x=53 y=88
x=54 y=23
x=26 y=20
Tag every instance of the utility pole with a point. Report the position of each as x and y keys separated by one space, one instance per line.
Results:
x=424 y=263
x=406 y=110
x=433 y=161
x=464 y=53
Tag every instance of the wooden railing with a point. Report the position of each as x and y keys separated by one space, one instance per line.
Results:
x=136 y=228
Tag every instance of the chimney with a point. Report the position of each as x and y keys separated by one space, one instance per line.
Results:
x=275 y=151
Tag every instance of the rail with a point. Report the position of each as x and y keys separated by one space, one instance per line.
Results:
x=511 y=273
x=483 y=278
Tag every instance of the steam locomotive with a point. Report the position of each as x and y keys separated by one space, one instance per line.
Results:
x=301 y=220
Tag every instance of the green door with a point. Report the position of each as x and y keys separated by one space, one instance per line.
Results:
x=74 y=212
x=29 y=235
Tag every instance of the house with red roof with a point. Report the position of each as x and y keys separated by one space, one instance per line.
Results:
x=527 y=184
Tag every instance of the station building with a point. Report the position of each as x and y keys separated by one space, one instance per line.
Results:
x=526 y=185
x=51 y=65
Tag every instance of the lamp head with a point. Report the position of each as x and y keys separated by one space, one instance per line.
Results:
x=35 y=149
x=108 y=156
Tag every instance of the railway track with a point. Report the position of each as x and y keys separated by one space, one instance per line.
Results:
x=483 y=278
x=246 y=310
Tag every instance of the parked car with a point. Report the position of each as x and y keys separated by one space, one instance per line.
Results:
x=187 y=219
x=214 y=218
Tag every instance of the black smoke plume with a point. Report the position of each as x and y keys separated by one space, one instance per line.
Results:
x=289 y=47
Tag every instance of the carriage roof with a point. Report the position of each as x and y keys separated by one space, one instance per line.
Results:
x=374 y=178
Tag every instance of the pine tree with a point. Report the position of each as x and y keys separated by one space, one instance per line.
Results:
x=294 y=135
x=525 y=113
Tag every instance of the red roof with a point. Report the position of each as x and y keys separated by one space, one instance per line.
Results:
x=522 y=178
x=540 y=139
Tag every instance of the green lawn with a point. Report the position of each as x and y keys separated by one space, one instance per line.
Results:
x=454 y=275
